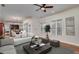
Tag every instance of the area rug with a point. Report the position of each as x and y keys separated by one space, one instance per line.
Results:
x=59 y=50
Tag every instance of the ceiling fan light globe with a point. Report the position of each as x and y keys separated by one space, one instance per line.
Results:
x=42 y=8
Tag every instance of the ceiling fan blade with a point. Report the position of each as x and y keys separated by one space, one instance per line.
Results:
x=49 y=7
x=38 y=9
x=43 y=5
x=37 y=5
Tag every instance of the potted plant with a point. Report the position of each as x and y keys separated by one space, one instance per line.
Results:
x=47 y=30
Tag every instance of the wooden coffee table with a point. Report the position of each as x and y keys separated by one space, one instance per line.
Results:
x=41 y=50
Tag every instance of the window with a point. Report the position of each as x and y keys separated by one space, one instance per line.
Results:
x=28 y=29
x=42 y=27
x=59 y=27
x=70 y=26
x=56 y=27
x=53 y=28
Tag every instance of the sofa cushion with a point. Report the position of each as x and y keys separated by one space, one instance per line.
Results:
x=8 y=49
x=7 y=41
x=18 y=41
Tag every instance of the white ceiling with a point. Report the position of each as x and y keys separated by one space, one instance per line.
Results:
x=26 y=10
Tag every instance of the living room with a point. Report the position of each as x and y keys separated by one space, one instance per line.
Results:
x=19 y=23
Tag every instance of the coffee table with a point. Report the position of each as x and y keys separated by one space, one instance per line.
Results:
x=41 y=50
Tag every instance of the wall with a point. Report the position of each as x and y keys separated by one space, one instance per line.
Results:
x=67 y=13
x=35 y=25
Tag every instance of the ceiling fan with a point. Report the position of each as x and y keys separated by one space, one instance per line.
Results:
x=43 y=7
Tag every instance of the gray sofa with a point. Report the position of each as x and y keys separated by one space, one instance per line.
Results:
x=7 y=46
x=18 y=41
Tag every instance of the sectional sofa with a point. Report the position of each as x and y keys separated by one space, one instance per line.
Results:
x=7 y=45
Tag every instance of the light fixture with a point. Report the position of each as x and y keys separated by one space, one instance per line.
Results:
x=43 y=8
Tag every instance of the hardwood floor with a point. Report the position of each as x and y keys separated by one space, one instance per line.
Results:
x=75 y=48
